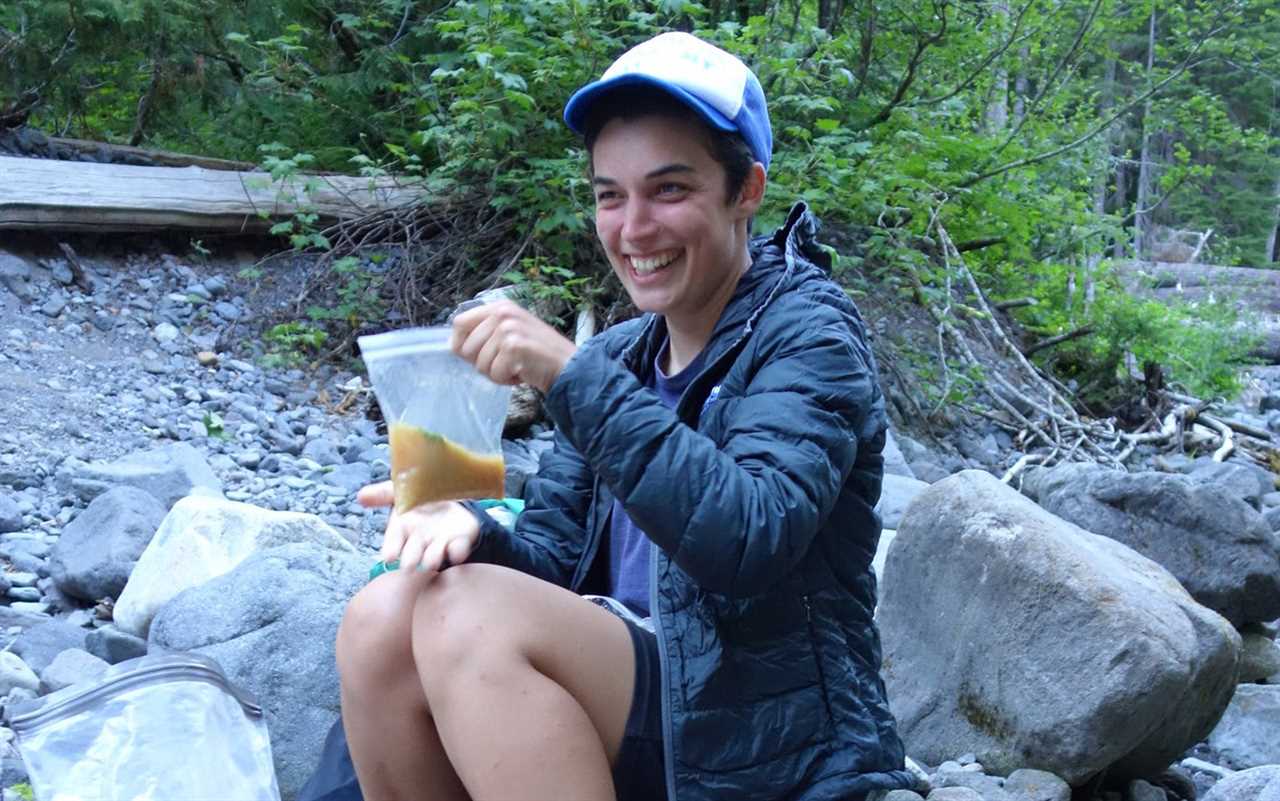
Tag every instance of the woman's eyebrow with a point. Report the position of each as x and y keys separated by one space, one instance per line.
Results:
x=668 y=169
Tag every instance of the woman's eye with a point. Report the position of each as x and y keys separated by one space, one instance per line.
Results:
x=602 y=197
x=670 y=189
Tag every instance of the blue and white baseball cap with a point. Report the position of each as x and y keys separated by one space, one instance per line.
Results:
x=715 y=84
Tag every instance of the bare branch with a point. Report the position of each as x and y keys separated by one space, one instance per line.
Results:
x=923 y=43
x=977 y=72
x=1062 y=64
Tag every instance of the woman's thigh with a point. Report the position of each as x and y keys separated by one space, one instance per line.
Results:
x=476 y=612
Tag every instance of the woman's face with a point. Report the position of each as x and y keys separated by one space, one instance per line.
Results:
x=661 y=213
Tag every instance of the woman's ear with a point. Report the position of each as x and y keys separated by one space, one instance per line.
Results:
x=752 y=194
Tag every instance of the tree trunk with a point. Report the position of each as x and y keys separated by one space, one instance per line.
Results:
x=1146 y=177
x=1100 y=180
x=998 y=107
x=1273 y=239
x=145 y=105
x=1020 y=87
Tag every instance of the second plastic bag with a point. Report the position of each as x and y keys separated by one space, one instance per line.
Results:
x=444 y=419
x=154 y=728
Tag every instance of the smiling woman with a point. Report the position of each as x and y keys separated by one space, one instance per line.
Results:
x=675 y=238
x=684 y=609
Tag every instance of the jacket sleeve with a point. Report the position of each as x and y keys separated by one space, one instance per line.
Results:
x=550 y=534
x=736 y=516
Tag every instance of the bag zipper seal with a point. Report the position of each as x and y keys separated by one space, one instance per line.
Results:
x=27 y=722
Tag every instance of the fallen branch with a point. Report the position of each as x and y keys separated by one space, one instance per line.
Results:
x=1083 y=331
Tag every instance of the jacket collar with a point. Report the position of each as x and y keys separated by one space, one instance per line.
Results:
x=773 y=260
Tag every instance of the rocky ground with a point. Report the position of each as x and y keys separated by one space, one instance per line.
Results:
x=124 y=351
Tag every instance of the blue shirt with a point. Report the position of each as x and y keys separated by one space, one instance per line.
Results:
x=628 y=545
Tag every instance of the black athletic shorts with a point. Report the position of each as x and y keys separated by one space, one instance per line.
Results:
x=640 y=771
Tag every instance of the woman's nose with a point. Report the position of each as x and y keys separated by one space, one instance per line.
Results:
x=638 y=222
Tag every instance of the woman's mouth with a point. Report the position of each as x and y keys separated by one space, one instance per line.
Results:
x=648 y=265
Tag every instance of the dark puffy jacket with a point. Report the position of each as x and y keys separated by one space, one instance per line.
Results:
x=758 y=492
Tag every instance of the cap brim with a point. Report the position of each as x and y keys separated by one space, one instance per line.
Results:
x=580 y=104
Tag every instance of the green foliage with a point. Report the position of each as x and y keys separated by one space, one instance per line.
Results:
x=1022 y=126
x=213 y=423
x=1201 y=345
x=555 y=291
x=24 y=791
x=293 y=344
x=358 y=294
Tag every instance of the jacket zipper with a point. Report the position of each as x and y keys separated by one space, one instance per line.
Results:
x=668 y=728
x=655 y=609
x=817 y=656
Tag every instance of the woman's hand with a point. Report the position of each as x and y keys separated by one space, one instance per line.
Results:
x=510 y=345
x=431 y=536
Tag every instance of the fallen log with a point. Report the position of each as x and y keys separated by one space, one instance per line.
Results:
x=42 y=194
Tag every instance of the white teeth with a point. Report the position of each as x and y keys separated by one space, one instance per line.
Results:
x=644 y=266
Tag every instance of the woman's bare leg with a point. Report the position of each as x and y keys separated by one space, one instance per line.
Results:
x=519 y=687
x=529 y=685
x=392 y=738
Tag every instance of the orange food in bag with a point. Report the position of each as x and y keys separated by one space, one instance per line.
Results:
x=427 y=467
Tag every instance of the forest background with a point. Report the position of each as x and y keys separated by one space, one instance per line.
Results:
x=1047 y=139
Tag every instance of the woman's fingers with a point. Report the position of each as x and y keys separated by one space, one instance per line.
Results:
x=459 y=550
x=376 y=495
x=432 y=535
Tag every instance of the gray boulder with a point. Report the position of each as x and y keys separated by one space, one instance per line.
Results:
x=896 y=494
x=202 y=538
x=99 y=549
x=40 y=645
x=16 y=673
x=1027 y=784
x=10 y=515
x=1213 y=542
x=1246 y=481
x=1026 y=640
x=168 y=473
x=1249 y=733
x=1255 y=784
x=15 y=275
x=72 y=666
x=1259 y=659
x=895 y=463
x=113 y=645
x=271 y=624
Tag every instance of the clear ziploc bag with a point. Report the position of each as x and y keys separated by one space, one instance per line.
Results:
x=444 y=419
x=154 y=728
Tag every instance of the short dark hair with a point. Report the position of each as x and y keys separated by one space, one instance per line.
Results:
x=727 y=148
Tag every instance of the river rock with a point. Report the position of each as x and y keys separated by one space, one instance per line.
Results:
x=40 y=645
x=98 y=549
x=72 y=666
x=895 y=462
x=169 y=473
x=896 y=494
x=10 y=515
x=1249 y=733
x=1215 y=543
x=114 y=646
x=1259 y=659
x=16 y=673
x=270 y=622
x=202 y=538
x=1245 y=481
x=1019 y=636
x=1255 y=784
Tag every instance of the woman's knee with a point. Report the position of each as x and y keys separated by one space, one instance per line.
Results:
x=374 y=635
x=458 y=619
